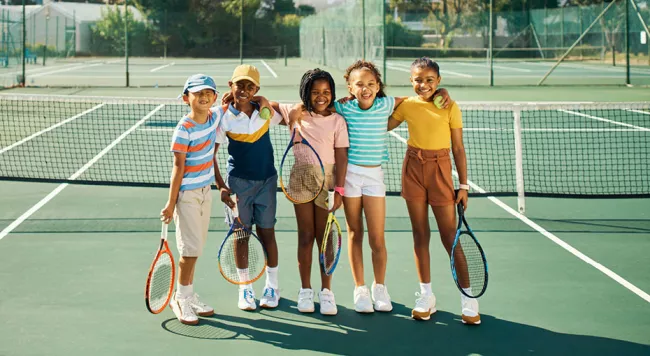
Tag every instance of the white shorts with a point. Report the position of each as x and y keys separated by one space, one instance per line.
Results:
x=192 y=217
x=367 y=181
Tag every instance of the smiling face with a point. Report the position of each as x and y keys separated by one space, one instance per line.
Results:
x=425 y=81
x=200 y=101
x=243 y=91
x=320 y=96
x=363 y=84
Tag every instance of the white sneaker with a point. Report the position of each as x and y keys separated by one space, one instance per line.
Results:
x=327 y=302
x=469 y=311
x=183 y=310
x=362 y=301
x=200 y=308
x=425 y=305
x=306 y=300
x=246 y=299
x=381 y=298
x=270 y=299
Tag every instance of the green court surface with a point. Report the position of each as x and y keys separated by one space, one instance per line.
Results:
x=276 y=72
x=568 y=278
x=74 y=273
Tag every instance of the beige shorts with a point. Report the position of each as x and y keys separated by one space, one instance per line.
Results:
x=192 y=218
x=321 y=199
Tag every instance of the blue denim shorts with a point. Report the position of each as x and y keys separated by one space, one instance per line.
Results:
x=256 y=200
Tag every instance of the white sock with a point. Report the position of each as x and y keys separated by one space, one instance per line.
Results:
x=184 y=291
x=243 y=276
x=468 y=291
x=272 y=277
x=425 y=288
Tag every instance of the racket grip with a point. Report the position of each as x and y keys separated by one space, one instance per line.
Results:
x=330 y=199
x=163 y=233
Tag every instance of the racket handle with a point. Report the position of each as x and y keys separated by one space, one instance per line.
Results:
x=163 y=233
x=330 y=199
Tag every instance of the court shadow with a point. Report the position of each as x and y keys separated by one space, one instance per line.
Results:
x=350 y=333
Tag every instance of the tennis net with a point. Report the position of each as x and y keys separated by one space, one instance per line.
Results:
x=536 y=149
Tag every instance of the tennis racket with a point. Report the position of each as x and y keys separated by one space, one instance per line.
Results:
x=160 y=281
x=468 y=264
x=331 y=246
x=242 y=256
x=302 y=174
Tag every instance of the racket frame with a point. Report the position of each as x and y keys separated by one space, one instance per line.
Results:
x=238 y=225
x=292 y=143
x=459 y=231
x=331 y=223
x=162 y=249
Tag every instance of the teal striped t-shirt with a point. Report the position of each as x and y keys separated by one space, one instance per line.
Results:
x=367 y=130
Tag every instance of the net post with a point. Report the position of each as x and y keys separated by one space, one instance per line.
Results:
x=24 y=49
x=519 y=160
x=627 y=42
x=490 y=44
x=126 y=41
x=284 y=47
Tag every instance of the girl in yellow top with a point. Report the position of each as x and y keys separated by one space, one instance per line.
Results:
x=426 y=177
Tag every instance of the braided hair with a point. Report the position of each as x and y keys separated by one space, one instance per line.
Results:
x=361 y=64
x=307 y=82
x=426 y=62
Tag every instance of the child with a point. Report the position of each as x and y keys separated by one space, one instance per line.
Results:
x=367 y=119
x=194 y=143
x=327 y=133
x=432 y=132
x=252 y=176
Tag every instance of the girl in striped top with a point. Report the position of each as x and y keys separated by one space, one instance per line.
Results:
x=364 y=192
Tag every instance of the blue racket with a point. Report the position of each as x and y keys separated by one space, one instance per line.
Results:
x=468 y=264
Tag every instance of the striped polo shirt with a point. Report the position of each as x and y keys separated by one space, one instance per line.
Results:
x=249 y=143
x=367 y=130
x=197 y=141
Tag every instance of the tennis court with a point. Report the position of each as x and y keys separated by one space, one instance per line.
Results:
x=569 y=277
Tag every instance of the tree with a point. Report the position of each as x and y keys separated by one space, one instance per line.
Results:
x=108 y=33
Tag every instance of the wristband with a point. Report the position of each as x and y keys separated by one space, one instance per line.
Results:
x=340 y=190
x=464 y=186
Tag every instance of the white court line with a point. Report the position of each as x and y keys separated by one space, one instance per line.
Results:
x=269 y=68
x=76 y=175
x=65 y=70
x=605 y=120
x=161 y=67
x=494 y=66
x=50 y=128
x=638 y=111
x=488 y=129
x=443 y=71
x=620 y=280
x=36 y=70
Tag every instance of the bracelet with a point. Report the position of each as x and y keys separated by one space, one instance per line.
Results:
x=464 y=186
x=340 y=190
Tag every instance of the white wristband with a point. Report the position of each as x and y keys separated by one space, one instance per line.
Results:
x=464 y=186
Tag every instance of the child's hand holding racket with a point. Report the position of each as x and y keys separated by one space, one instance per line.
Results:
x=167 y=213
x=226 y=199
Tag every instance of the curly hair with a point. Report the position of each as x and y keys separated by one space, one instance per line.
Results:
x=307 y=82
x=426 y=62
x=361 y=65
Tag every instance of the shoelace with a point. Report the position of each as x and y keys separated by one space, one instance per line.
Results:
x=186 y=308
x=195 y=300
x=382 y=293
x=422 y=300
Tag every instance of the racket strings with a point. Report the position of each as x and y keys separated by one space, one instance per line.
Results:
x=302 y=174
x=241 y=251
x=469 y=264
x=331 y=248
x=161 y=282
